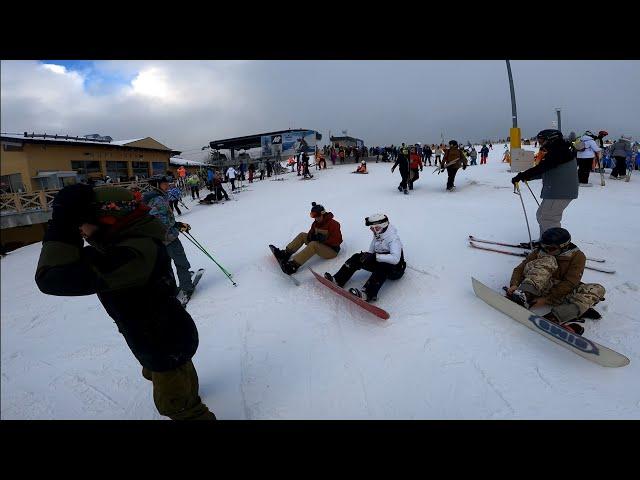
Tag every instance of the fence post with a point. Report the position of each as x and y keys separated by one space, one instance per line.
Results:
x=43 y=200
x=17 y=201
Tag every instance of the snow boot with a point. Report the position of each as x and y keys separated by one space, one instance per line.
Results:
x=571 y=326
x=362 y=294
x=592 y=314
x=406 y=192
x=523 y=299
x=289 y=267
x=281 y=255
x=329 y=277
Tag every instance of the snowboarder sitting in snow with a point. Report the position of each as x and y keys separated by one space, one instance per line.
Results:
x=323 y=239
x=385 y=259
x=551 y=275
x=129 y=269
x=362 y=168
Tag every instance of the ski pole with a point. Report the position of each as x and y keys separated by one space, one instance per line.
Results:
x=194 y=241
x=516 y=190
x=197 y=244
x=534 y=197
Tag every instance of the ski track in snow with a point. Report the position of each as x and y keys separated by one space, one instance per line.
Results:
x=272 y=350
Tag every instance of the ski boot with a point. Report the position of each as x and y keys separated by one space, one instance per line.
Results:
x=362 y=294
x=399 y=188
x=406 y=192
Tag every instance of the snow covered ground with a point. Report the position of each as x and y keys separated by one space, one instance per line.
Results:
x=271 y=350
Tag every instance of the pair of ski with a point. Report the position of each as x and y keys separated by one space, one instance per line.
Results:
x=473 y=241
x=377 y=311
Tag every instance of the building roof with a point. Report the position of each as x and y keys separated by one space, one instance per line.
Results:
x=66 y=140
x=252 y=141
x=186 y=163
x=333 y=139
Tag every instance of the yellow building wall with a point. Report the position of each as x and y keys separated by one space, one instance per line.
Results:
x=39 y=157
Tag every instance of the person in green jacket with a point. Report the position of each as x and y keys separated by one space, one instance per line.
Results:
x=128 y=267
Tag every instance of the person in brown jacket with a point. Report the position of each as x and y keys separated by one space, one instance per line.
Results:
x=453 y=159
x=323 y=239
x=551 y=275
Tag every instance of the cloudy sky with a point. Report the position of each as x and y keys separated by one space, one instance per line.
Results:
x=186 y=104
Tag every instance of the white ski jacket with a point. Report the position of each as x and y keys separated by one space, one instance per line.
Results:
x=231 y=172
x=387 y=246
x=591 y=147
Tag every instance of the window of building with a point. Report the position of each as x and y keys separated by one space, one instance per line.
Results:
x=140 y=169
x=12 y=146
x=158 y=168
x=117 y=171
x=11 y=183
x=64 y=181
x=85 y=167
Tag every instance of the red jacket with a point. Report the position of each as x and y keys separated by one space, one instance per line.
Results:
x=330 y=228
x=416 y=161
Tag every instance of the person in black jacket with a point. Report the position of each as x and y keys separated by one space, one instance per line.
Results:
x=559 y=174
x=402 y=161
x=128 y=267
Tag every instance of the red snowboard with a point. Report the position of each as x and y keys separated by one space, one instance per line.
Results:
x=378 y=312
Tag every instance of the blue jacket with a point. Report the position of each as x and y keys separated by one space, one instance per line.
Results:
x=175 y=193
x=159 y=204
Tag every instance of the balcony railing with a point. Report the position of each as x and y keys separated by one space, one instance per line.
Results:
x=41 y=201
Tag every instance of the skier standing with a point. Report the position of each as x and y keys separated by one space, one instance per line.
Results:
x=231 y=174
x=473 y=154
x=384 y=259
x=323 y=239
x=174 y=197
x=484 y=153
x=551 y=275
x=439 y=153
x=557 y=168
x=454 y=158
x=193 y=181
x=158 y=202
x=427 y=154
x=402 y=160
x=127 y=266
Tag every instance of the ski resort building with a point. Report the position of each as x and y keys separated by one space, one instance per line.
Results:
x=346 y=142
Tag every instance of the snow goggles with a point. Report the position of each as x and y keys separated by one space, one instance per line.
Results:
x=377 y=228
x=313 y=214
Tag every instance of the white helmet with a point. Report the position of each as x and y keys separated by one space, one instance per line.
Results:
x=377 y=219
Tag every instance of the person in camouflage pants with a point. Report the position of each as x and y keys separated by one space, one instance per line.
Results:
x=551 y=275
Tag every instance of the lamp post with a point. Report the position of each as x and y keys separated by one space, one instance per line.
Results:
x=514 y=132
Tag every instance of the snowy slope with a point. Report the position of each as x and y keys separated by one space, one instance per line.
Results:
x=270 y=350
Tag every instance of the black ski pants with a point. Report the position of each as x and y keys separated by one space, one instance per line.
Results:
x=584 y=169
x=195 y=191
x=451 y=172
x=219 y=192
x=620 y=170
x=174 y=204
x=380 y=272
x=413 y=176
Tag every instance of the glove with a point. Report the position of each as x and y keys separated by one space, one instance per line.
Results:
x=464 y=167
x=517 y=178
x=183 y=227
x=366 y=257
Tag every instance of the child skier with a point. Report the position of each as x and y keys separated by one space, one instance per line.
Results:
x=385 y=260
x=551 y=275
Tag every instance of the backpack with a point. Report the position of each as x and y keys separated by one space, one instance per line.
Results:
x=579 y=145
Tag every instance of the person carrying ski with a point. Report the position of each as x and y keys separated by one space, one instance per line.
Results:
x=129 y=269
x=453 y=159
x=158 y=203
x=552 y=275
x=415 y=165
x=557 y=168
x=402 y=160
x=323 y=239
x=384 y=259
x=362 y=168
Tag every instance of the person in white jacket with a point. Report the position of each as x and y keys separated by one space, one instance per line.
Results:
x=385 y=259
x=231 y=174
x=586 y=156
